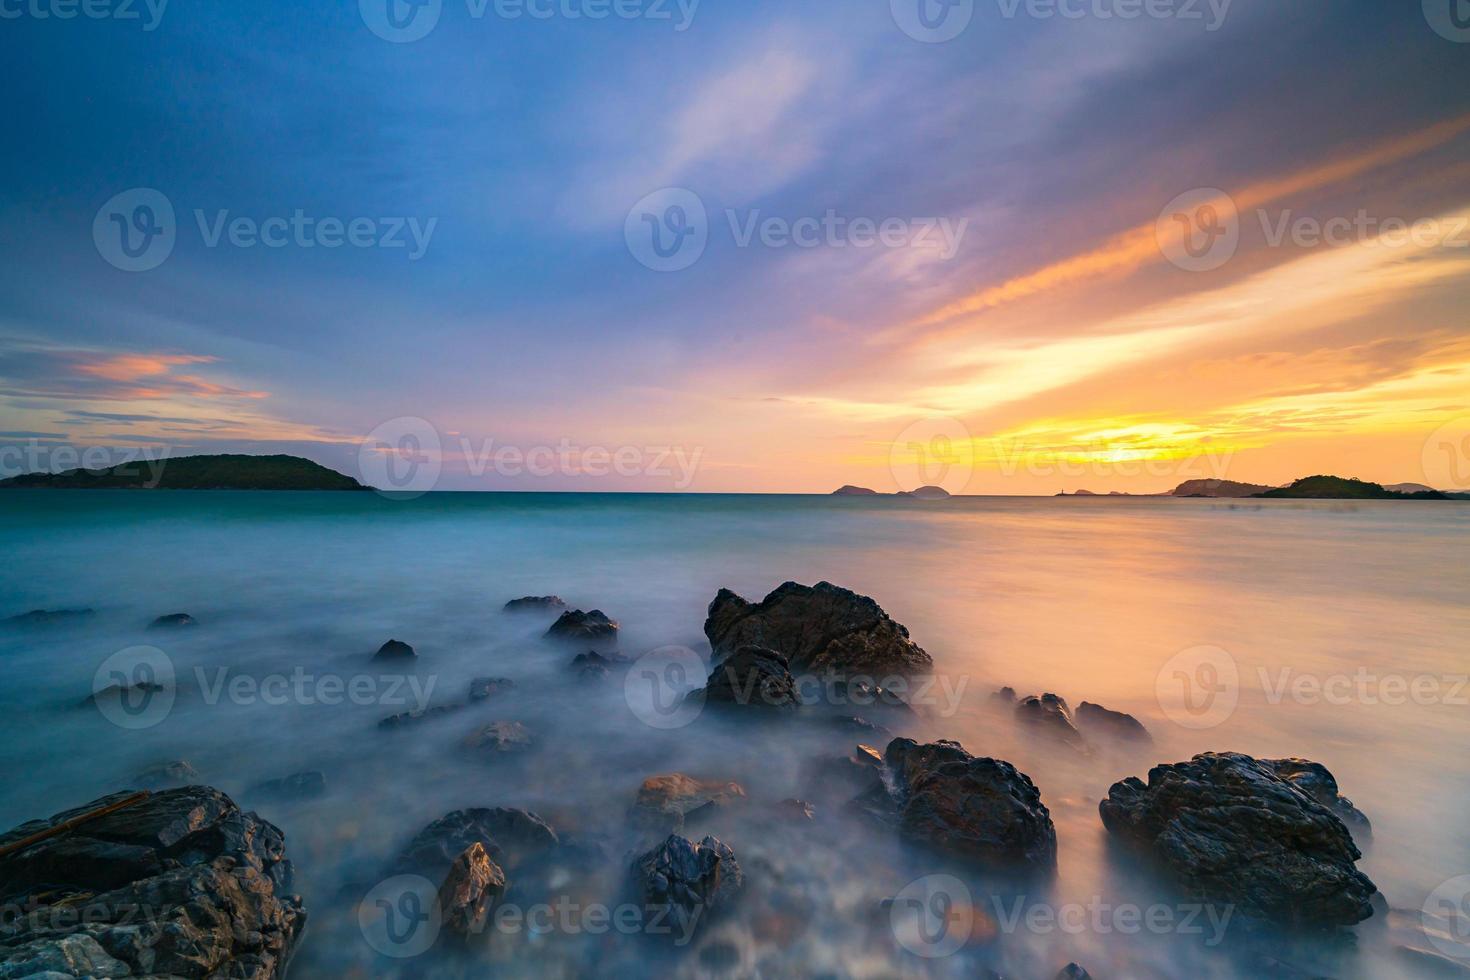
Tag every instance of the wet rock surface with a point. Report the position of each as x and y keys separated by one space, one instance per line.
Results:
x=1101 y=724
x=536 y=603
x=214 y=882
x=297 y=786
x=510 y=836
x=1228 y=829
x=667 y=802
x=1316 y=781
x=406 y=718
x=593 y=628
x=1047 y=716
x=470 y=891
x=166 y=775
x=751 y=677
x=817 y=628
x=498 y=738
x=680 y=883
x=173 y=621
x=395 y=650
x=980 y=810
x=484 y=688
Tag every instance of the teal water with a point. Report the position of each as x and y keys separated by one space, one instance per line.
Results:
x=1094 y=599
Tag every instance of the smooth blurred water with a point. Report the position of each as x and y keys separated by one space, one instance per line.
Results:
x=1089 y=598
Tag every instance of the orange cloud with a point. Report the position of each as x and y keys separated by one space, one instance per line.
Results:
x=132 y=367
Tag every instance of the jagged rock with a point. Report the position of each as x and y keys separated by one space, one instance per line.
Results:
x=680 y=883
x=173 y=621
x=406 y=718
x=166 y=775
x=510 y=836
x=1228 y=829
x=1048 y=716
x=867 y=694
x=817 y=628
x=395 y=650
x=1316 y=781
x=594 y=659
x=470 y=891
x=667 y=802
x=483 y=688
x=214 y=881
x=535 y=603
x=1005 y=696
x=751 y=677
x=297 y=786
x=798 y=810
x=1097 y=722
x=841 y=777
x=499 y=737
x=1072 y=971
x=46 y=617
x=593 y=628
x=978 y=809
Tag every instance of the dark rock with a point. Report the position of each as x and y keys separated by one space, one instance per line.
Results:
x=1072 y=971
x=46 y=617
x=166 y=775
x=470 y=891
x=406 y=718
x=751 y=677
x=666 y=802
x=841 y=777
x=482 y=688
x=1048 y=717
x=719 y=957
x=535 y=603
x=798 y=810
x=1316 y=781
x=576 y=626
x=297 y=786
x=680 y=883
x=978 y=809
x=866 y=694
x=173 y=621
x=136 y=694
x=594 y=659
x=499 y=737
x=395 y=650
x=1228 y=829
x=215 y=883
x=1005 y=696
x=857 y=725
x=593 y=673
x=1098 y=722
x=817 y=628
x=510 y=836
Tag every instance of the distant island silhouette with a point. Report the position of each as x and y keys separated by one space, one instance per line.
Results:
x=219 y=472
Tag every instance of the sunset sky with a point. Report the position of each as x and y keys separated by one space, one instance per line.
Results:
x=1072 y=339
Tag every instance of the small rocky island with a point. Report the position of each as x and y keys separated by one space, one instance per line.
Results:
x=220 y=472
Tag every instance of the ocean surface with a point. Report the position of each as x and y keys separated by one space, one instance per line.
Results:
x=1334 y=631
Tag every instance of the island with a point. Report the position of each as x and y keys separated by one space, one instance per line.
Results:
x=1218 y=488
x=218 y=472
x=925 y=493
x=851 y=491
x=1346 y=488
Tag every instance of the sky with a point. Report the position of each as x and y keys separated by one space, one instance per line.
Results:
x=1004 y=246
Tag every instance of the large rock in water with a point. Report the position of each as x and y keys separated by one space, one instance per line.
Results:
x=1229 y=829
x=510 y=837
x=980 y=810
x=680 y=883
x=213 y=881
x=817 y=628
x=593 y=628
x=1316 y=781
x=751 y=677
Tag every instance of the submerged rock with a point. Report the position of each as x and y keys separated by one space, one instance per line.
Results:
x=1098 y=722
x=680 y=883
x=584 y=627
x=817 y=628
x=470 y=891
x=536 y=603
x=1072 y=971
x=483 y=688
x=978 y=809
x=499 y=737
x=406 y=718
x=668 y=801
x=46 y=617
x=510 y=837
x=173 y=621
x=1047 y=715
x=136 y=694
x=297 y=786
x=395 y=650
x=166 y=775
x=751 y=677
x=1316 y=781
x=841 y=777
x=1227 y=828
x=214 y=882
